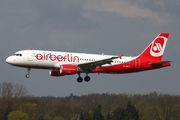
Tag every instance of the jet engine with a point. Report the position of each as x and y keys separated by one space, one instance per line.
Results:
x=55 y=73
x=64 y=70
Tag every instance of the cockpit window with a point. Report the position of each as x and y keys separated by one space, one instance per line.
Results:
x=17 y=54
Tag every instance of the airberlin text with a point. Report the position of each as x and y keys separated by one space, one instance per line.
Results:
x=59 y=57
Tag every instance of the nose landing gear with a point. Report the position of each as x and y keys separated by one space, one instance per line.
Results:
x=28 y=73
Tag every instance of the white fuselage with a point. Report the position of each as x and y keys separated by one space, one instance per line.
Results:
x=52 y=59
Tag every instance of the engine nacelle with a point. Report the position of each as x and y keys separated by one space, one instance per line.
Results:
x=68 y=69
x=64 y=70
x=55 y=73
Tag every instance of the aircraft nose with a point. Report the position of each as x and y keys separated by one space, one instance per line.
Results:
x=9 y=60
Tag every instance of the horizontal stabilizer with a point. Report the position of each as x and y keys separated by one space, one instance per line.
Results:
x=160 y=64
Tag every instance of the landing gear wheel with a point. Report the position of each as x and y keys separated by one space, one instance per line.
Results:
x=79 y=79
x=28 y=71
x=27 y=75
x=87 y=78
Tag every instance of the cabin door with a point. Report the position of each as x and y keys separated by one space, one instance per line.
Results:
x=30 y=56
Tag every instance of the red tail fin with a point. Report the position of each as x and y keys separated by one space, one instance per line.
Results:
x=156 y=48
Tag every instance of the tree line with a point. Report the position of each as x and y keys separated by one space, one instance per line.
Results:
x=15 y=104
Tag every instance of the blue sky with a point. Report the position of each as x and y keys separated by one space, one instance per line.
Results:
x=90 y=26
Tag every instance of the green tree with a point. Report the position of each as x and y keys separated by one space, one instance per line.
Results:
x=7 y=111
x=58 y=118
x=75 y=117
x=85 y=115
x=30 y=108
x=108 y=116
x=6 y=94
x=97 y=113
x=132 y=111
x=18 y=115
x=119 y=114
x=41 y=117
x=10 y=96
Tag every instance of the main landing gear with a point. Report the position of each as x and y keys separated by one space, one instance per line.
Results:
x=28 y=71
x=86 y=78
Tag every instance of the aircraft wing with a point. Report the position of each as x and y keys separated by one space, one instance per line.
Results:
x=94 y=64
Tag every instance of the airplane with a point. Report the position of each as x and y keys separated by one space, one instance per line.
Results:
x=70 y=63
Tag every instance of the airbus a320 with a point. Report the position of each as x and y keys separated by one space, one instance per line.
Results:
x=70 y=63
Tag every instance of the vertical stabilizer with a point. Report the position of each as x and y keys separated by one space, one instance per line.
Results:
x=156 y=48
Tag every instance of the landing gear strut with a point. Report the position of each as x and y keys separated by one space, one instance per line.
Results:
x=28 y=71
x=87 y=78
x=79 y=79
